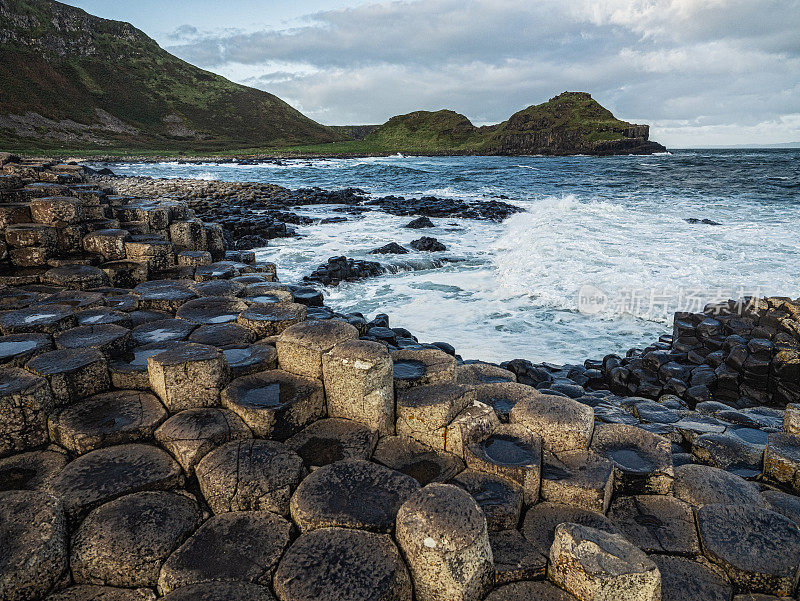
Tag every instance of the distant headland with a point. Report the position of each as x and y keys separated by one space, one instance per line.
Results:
x=76 y=83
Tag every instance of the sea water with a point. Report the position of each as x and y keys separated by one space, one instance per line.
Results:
x=598 y=262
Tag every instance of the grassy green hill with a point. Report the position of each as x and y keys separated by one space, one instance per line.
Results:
x=570 y=123
x=72 y=80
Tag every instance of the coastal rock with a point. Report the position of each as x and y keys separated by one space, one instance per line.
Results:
x=427 y=244
x=235 y=546
x=339 y=564
x=124 y=542
x=393 y=248
x=419 y=223
x=444 y=538
x=597 y=566
x=250 y=475
x=758 y=548
x=351 y=493
x=34 y=542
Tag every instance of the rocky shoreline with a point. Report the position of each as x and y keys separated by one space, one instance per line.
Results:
x=177 y=423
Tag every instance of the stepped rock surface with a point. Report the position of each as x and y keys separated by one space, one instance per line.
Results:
x=144 y=454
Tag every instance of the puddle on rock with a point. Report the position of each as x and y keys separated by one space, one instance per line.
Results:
x=409 y=370
x=508 y=450
x=272 y=395
x=631 y=460
x=321 y=451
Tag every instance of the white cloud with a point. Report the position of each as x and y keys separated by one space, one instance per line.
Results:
x=689 y=67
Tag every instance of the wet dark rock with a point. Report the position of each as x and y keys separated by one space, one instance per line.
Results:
x=344 y=269
x=683 y=579
x=419 y=223
x=189 y=435
x=695 y=220
x=414 y=459
x=427 y=244
x=330 y=440
x=393 y=248
x=106 y=419
x=541 y=520
x=31 y=471
x=515 y=558
x=499 y=498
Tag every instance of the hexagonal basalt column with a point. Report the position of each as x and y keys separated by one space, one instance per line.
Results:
x=359 y=384
x=642 y=460
x=211 y=310
x=474 y=423
x=157 y=253
x=580 y=478
x=301 y=347
x=339 y=564
x=475 y=374
x=420 y=367
x=108 y=549
x=352 y=493
x=563 y=424
x=110 y=244
x=45 y=319
x=250 y=475
x=758 y=548
x=57 y=209
x=444 y=538
x=73 y=374
x=130 y=370
x=239 y=545
x=250 y=358
x=34 y=542
x=417 y=460
x=597 y=566
x=782 y=459
x=82 y=277
x=275 y=404
x=106 y=419
x=194 y=258
x=25 y=402
x=188 y=375
x=424 y=412
x=163 y=295
x=17 y=349
x=126 y=274
x=511 y=451
x=499 y=498
x=271 y=320
x=106 y=474
x=504 y=396
x=190 y=435
x=111 y=340
x=188 y=235
x=327 y=441
x=541 y=521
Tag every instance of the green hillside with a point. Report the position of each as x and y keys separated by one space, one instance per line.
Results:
x=72 y=80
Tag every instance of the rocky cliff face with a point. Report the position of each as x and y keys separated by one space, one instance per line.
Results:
x=73 y=78
x=570 y=123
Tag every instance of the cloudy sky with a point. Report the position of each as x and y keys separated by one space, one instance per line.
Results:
x=701 y=72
